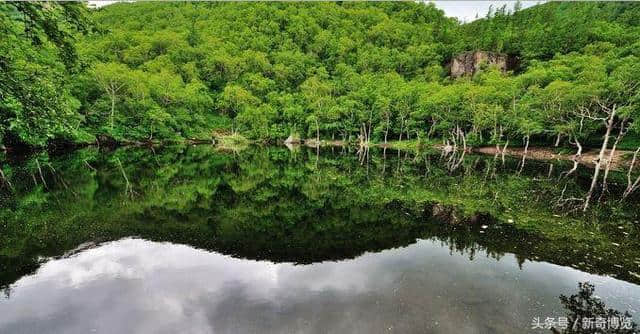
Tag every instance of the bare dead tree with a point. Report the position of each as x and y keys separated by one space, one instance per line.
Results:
x=401 y=127
x=384 y=159
x=504 y=150
x=56 y=176
x=427 y=166
x=609 y=125
x=631 y=186
x=112 y=87
x=369 y=131
x=557 y=142
x=128 y=188
x=88 y=165
x=446 y=148
x=524 y=155
x=575 y=158
x=386 y=130
x=40 y=172
x=621 y=134
x=568 y=203
x=571 y=171
x=454 y=149
x=461 y=136
x=432 y=127
x=579 y=146
x=5 y=179
x=35 y=182
x=363 y=149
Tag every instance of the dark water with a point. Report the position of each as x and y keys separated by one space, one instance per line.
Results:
x=192 y=240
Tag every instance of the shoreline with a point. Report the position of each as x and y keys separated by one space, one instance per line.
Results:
x=541 y=153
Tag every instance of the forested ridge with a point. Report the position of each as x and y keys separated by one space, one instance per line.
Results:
x=101 y=111
x=373 y=71
x=359 y=73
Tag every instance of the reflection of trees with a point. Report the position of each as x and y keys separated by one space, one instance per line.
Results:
x=583 y=308
x=264 y=204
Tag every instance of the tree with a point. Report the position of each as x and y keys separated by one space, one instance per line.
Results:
x=318 y=97
x=37 y=56
x=235 y=99
x=585 y=305
x=112 y=79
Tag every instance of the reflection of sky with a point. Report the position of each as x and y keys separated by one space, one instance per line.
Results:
x=137 y=286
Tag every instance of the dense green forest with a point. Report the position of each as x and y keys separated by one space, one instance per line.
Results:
x=390 y=134
x=174 y=71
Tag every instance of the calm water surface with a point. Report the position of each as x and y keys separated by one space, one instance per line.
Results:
x=139 y=286
x=194 y=241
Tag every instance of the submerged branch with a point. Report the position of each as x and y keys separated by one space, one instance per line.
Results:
x=128 y=188
x=40 y=172
x=5 y=179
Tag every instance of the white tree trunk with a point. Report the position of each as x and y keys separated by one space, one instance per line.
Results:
x=611 y=154
x=579 y=153
x=504 y=150
x=113 y=110
x=596 y=172
x=631 y=186
x=5 y=179
x=386 y=132
x=524 y=155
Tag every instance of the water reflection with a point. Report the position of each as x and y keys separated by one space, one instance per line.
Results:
x=306 y=206
x=496 y=243
x=138 y=286
x=587 y=313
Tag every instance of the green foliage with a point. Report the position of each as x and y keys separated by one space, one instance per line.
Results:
x=331 y=70
x=542 y=32
x=273 y=68
x=269 y=203
x=37 y=55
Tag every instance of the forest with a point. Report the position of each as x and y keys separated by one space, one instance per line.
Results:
x=318 y=167
x=349 y=72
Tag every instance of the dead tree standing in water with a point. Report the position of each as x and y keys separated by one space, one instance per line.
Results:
x=128 y=188
x=623 y=131
x=524 y=155
x=609 y=122
x=631 y=186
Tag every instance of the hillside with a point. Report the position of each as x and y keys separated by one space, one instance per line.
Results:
x=157 y=72
x=269 y=66
x=542 y=31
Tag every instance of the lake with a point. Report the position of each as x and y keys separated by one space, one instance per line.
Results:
x=193 y=239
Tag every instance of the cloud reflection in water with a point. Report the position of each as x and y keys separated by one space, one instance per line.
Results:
x=139 y=286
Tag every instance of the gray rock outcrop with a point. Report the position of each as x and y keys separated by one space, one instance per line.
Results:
x=470 y=62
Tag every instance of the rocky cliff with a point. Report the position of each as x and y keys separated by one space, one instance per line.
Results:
x=470 y=62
